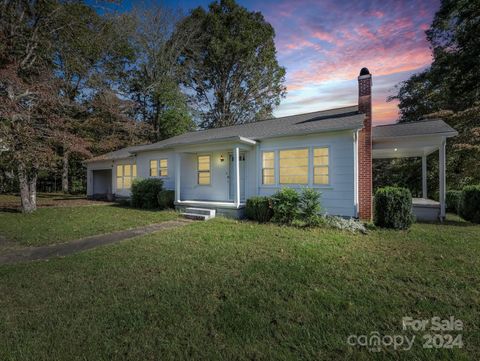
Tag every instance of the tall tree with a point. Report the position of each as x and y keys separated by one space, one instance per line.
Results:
x=153 y=83
x=231 y=68
x=91 y=53
x=450 y=87
x=28 y=90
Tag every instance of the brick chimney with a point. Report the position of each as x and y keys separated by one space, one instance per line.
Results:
x=365 y=146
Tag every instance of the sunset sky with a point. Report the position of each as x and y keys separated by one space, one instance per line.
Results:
x=324 y=43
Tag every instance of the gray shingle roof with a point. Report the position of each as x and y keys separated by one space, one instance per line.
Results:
x=316 y=122
x=424 y=127
x=118 y=154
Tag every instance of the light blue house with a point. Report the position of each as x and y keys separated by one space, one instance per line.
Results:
x=330 y=150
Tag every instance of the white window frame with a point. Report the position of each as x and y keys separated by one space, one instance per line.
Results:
x=307 y=148
x=204 y=171
x=321 y=166
x=133 y=175
x=273 y=168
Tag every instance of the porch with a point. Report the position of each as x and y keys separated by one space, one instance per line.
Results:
x=419 y=139
x=214 y=176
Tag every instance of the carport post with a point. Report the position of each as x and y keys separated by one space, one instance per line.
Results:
x=442 y=178
x=424 y=177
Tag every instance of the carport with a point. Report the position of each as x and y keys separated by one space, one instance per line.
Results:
x=417 y=139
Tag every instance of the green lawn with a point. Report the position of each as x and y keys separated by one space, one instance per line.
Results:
x=241 y=291
x=60 y=224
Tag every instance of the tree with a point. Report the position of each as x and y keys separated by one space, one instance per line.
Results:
x=231 y=67
x=153 y=83
x=28 y=100
x=90 y=53
x=450 y=87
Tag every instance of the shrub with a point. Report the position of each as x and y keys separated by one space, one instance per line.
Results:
x=145 y=193
x=470 y=203
x=285 y=204
x=393 y=208
x=453 y=201
x=259 y=209
x=309 y=207
x=166 y=199
x=350 y=224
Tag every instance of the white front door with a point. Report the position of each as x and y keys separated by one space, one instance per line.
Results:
x=231 y=176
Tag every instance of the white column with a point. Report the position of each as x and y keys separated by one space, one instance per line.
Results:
x=424 y=177
x=236 y=153
x=178 y=166
x=442 y=179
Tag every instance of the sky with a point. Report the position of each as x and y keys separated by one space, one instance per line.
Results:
x=323 y=44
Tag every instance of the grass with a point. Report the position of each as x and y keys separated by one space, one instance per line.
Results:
x=54 y=225
x=226 y=290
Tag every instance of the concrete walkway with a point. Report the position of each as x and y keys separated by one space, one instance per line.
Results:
x=64 y=249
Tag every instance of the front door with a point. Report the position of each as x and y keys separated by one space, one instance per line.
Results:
x=231 y=176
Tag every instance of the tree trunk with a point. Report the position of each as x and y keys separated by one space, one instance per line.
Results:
x=28 y=190
x=65 y=172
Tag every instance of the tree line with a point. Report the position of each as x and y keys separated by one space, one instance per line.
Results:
x=78 y=80
x=448 y=89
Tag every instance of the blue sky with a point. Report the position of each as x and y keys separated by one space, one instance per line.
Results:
x=324 y=44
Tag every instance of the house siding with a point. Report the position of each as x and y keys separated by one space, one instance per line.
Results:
x=338 y=198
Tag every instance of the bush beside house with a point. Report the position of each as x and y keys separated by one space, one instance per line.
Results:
x=452 y=199
x=166 y=199
x=470 y=203
x=393 y=208
x=145 y=193
x=259 y=209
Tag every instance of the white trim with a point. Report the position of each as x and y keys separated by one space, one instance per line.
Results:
x=211 y=204
x=355 y=174
x=424 y=177
x=442 y=178
x=237 y=176
x=178 y=166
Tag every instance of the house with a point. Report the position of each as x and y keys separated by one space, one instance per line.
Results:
x=330 y=150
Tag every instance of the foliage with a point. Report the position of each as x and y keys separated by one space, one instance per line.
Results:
x=231 y=65
x=452 y=200
x=345 y=224
x=470 y=203
x=393 y=208
x=145 y=193
x=450 y=88
x=309 y=206
x=166 y=199
x=153 y=82
x=285 y=205
x=259 y=209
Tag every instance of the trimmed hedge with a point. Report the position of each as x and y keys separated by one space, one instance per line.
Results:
x=453 y=198
x=285 y=204
x=166 y=199
x=470 y=203
x=259 y=209
x=145 y=193
x=393 y=208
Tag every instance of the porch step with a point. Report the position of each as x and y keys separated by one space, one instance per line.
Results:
x=200 y=214
x=204 y=211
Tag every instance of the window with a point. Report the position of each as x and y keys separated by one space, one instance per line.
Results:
x=159 y=168
x=320 y=166
x=163 y=167
x=268 y=168
x=125 y=174
x=153 y=168
x=294 y=166
x=203 y=167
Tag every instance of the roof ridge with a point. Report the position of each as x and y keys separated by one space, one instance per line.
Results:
x=261 y=121
x=410 y=122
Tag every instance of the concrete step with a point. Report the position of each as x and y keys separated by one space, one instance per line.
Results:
x=205 y=211
x=196 y=216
